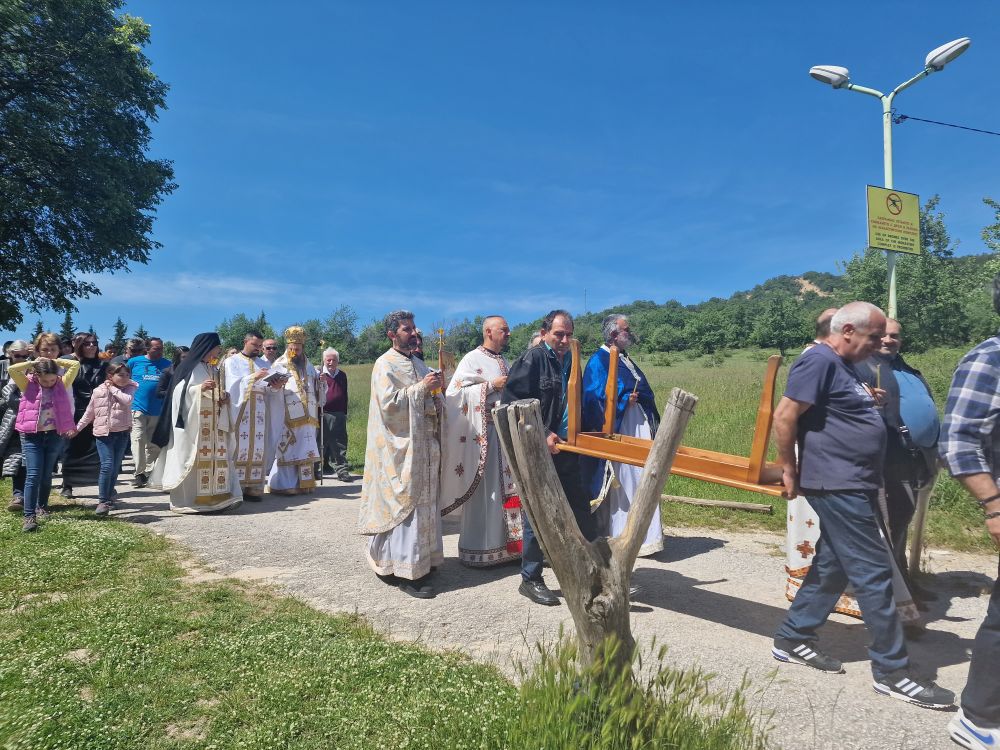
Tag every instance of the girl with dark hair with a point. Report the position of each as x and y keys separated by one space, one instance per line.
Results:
x=44 y=415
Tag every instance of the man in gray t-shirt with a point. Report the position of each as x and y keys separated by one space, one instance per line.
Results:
x=833 y=417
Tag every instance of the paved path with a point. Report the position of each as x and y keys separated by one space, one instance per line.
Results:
x=713 y=597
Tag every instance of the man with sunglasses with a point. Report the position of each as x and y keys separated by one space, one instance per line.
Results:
x=270 y=352
x=542 y=372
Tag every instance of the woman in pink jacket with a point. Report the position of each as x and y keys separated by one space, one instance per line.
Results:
x=110 y=409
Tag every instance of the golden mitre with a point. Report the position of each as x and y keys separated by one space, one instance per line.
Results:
x=295 y=335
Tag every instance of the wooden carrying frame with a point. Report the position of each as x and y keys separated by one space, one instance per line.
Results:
x=752 y=473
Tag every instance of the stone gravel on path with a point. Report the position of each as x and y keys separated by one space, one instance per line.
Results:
x=713 y=597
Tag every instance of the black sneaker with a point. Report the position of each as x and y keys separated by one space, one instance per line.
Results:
x=802 y=652
x=140 y=480
x=903 y=686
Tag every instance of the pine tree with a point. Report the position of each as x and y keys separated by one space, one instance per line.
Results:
x=119 y=336
x=91 y=331
x=39 y=329
x=68 y=328
x=140 y=332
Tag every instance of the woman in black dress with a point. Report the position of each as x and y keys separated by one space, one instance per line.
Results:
x=81 y=464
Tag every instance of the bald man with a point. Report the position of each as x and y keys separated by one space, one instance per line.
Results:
x=474 y=471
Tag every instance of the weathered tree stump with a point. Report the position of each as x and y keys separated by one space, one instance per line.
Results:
x=594 y=576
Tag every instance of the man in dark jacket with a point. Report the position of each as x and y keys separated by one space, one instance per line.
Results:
x=542 y=372
x=912 y=427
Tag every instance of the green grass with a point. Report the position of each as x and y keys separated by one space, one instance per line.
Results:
x=728 y=387
x=105 y=645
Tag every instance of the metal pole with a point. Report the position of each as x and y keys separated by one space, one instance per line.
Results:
x=890 y=257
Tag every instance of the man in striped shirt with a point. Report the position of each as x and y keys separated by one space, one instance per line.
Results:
x=970 y=448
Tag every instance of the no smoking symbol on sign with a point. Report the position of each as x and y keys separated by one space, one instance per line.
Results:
x=894 y=203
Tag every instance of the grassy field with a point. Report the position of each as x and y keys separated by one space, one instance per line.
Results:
x=728 y=388
x=107 y=642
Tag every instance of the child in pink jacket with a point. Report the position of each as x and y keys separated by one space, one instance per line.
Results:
x=110 y=409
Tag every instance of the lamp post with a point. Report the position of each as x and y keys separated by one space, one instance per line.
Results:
x=840 y=78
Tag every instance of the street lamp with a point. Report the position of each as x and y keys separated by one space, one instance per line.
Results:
x=840 y=78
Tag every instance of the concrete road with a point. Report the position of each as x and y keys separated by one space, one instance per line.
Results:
x=713 y=597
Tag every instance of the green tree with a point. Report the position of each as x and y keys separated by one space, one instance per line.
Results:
x=39 y=329
x=780 y=324
x=77 y=193
x=140 y=333
x=233 y=330
x=119 y=335
x=91 y=331
x=68 y=328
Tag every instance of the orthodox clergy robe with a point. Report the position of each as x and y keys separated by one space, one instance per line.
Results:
x=636 y=420
x=248 y=401
x=474 y=471
x=294 y=421
x=195 y=466
x=399 y=491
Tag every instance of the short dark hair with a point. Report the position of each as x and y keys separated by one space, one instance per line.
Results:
x=115 y=369
x=550 y=319
x=252 y=335
x=151 y=339
x=44 y=366
x=135 y=345
x=394 y=319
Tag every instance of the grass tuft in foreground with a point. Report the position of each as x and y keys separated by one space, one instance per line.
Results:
x=566 y=707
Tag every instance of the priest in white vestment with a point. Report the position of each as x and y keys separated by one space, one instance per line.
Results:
x=611 y=483
x=194 y=433
x=475 y=475
x=250 y=397
x=401 y=485
x=295 y=419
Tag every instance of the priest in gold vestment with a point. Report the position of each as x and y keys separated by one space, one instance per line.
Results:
x=399 y=492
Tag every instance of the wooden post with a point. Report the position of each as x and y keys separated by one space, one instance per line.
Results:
x=611 y=393
x=594 y=576
x=573 y=400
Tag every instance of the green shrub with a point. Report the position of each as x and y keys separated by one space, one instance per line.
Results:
x=566 y=707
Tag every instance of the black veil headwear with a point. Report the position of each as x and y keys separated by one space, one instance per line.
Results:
x=203 y=343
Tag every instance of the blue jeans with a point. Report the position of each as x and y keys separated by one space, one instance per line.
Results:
x=568 y=468
x=849 y=550
x=111 y=449
x=41 y=451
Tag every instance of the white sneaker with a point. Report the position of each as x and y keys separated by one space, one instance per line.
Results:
x=967 y=734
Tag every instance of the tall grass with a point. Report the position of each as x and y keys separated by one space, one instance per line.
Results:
x=566 y=707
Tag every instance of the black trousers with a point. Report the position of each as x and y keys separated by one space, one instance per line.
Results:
x=335 y=441
x=981 y=698
x=568 y=468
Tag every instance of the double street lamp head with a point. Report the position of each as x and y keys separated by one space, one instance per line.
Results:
x=839 y=77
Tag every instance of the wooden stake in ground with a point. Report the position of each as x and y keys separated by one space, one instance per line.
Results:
x=594 y=576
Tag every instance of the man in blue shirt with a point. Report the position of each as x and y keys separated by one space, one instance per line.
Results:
x=834 y=418
x=146 y=407
x=912 y=426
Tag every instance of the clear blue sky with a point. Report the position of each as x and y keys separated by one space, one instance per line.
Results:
x=462 y=158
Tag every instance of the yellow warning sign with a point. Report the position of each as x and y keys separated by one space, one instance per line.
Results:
x=893 y=220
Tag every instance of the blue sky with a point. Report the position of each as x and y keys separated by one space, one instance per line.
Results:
x=462 y=158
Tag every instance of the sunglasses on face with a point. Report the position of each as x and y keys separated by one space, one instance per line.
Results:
x=270 y=348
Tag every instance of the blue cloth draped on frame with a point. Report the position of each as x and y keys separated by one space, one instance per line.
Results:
x=595 y=378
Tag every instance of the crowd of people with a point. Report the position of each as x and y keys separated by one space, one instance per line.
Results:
x=857 y=432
